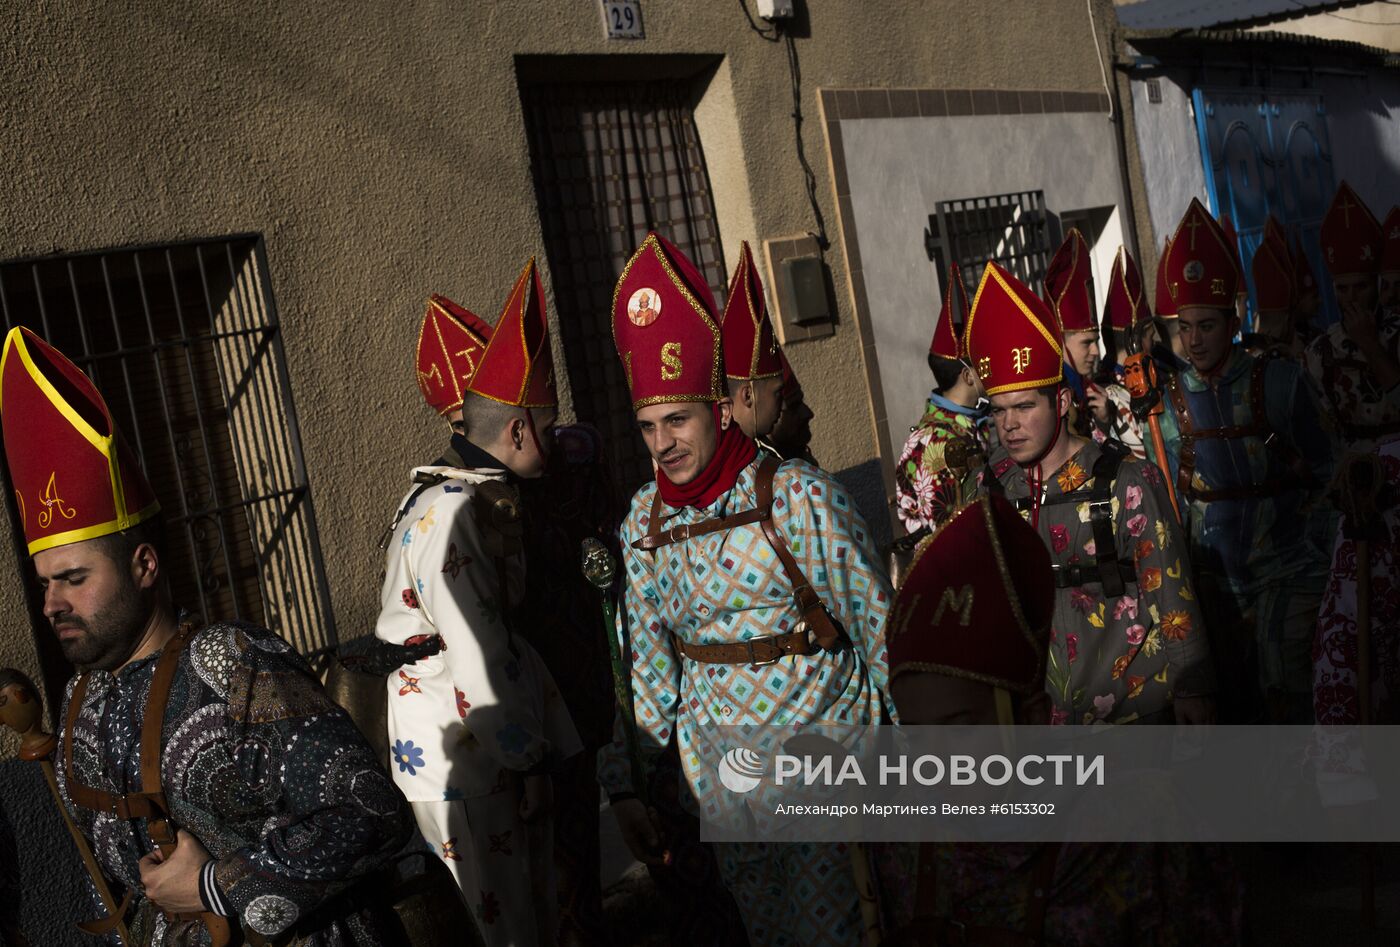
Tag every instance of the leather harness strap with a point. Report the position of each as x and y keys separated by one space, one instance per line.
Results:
x=1114 y=574
x=149 y=804
x=1258 y=427
x=815 y=617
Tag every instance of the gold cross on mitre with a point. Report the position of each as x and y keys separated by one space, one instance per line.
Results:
x=1346 y=209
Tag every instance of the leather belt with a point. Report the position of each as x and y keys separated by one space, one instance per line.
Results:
x=758 y=651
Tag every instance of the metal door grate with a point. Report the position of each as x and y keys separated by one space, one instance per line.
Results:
x=1012 y=230
x=610 y=163
x=184 y=344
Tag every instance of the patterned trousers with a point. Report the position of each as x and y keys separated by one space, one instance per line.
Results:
x=503 y=866
x=794 y=895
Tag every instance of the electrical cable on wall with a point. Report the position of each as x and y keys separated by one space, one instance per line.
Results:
x=776 y=35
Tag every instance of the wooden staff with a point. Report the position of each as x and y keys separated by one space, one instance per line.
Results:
x=20 y=710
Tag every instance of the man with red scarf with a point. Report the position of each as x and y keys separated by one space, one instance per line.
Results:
x=718 y=634
x=1244 y=440
x=1126 y=642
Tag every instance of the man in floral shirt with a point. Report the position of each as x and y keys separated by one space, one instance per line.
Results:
x=1356 y=362
x=1126 y=643
x=928 y=486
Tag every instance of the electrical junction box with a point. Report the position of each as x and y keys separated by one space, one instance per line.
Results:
x=775 y=9
x=804 y=282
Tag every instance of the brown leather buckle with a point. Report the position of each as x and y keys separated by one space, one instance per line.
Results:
x=753 y=661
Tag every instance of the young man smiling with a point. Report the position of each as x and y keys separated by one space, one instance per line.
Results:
x=1126 y=639
x=1245 y=443
x=733 y=618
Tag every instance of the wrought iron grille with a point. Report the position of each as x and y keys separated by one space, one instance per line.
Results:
x=1012 y=230
x=183 y=342
x=612 y=161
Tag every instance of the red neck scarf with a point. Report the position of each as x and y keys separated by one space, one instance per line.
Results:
x=733 y=453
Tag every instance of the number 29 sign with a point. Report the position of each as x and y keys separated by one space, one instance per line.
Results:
x=623 y=19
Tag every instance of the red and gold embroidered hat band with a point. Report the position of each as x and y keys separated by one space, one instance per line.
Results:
x=1201 y=268
x=1012 y=338
x=1126 y=304
x=1350 y=236
x=450 y=344
x=978 y=601
x=1272 y=270
x=74 y=477
x=1162 y=303
x=1390 y=247
x=1069 y=284
x=665 y=328
x=952 y=318
x=517 y=367
x=750 y=346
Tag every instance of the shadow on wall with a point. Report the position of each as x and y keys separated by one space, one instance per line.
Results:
x=36 y=850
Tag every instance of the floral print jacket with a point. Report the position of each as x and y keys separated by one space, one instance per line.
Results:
x=1117 y=659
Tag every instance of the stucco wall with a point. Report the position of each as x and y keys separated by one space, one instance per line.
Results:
x=1171 y=157
x=381 y=151
x=900 y=169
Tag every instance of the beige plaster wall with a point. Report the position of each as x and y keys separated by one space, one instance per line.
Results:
x=380 y=149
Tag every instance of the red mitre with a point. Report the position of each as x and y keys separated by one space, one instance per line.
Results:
x=978 y=601
x=450 y=344
x=1274 y=289
x=750 y=347
x=1069 y=284
x=1350 y=236
x=73 y=475
x=517 y=367
x=1162 y=302
x=1390 y=247
x=1127 y=300
x=790 y=382
x=1273 y=230
x=952 y=316
x=1201 y=269
x=1013 y=340
x=1303 y=276
x=665 y=329
x=1232 y=241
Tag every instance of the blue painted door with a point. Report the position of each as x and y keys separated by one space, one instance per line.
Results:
x=1268 y=152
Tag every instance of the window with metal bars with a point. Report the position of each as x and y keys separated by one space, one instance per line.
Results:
x=184 y=344
x=1012 y=230
x=612 y=161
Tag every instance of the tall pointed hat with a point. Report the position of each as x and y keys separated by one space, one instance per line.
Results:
x=1272 y=270
x=1127 y=300
x=450 y=345
x=517 y=367
x=978 y=601
x=1350 y=236
x=1201 y=265
x=74 y=476
x=1069 y=284
x=1390 y=246
x=665 y=328
x=1013 y=339
x=750 y=346
x=952 y=318
x=1162 y=302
